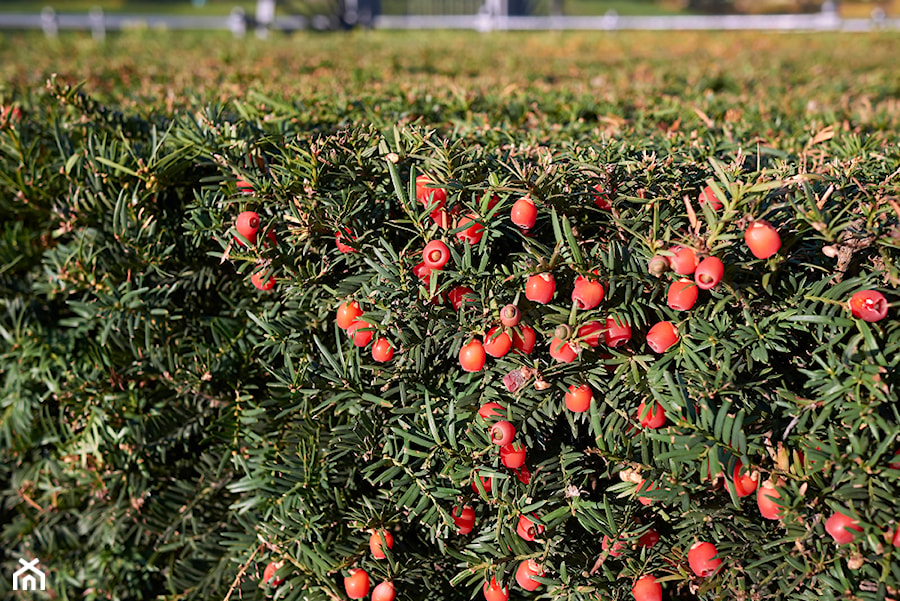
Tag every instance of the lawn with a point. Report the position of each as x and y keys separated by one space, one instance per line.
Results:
x=747 y=84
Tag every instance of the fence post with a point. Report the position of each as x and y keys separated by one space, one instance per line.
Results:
x=98 y=26
x=49 y=22
x=237 y=22
x=831 y=15
x=610 y=19
x=265 y=17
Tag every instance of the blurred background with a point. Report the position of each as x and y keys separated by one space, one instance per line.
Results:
x=846 y=8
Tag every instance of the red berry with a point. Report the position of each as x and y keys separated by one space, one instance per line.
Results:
x=641 y=487
x=382 y=351
x=682 y=294
x=868 y=305
x=684 y=260
x=459 y=295
x=464 y=519
x=540 y=288
x=357 y=583
x=895 y=540
x=647 y=589
x=591 y=332
x=269 y=574
x=243 y=186
x=384 y=592
x=587 y=294
x=375 y=545
x=491 y=409
x=523 y=339
x=486 y=483
x=766 y=496
x=344 y=248
x=473 y=230
x=601 y=198
x=472 y=356
x=441 y=218
x=839 y=526
x=649 y=538
x=494 y=592
x=708 y=195
x=762 y=239
x=435 y=255
x=524 y=475
x=616 y=333
x=702 y=559
x=9 y=115
x=745 y=481
x=709 y=273
x=247 y=225
x=502 y=433
x=427 y=195
x=527 y=528
x=653 y=418
x=347 y=313
x=525 y=572
x=257 y=280
x=563 y=350
x=579 y=398
x=617 y=549
x=658 y=265
x=361 y=332
x=510 y=316
x=423 y=272
x=524 y=213
x=662 y=336
x=497 y=342
x=513 y=455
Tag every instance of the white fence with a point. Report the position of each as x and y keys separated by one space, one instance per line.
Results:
x=239 y=23
x=612 y=22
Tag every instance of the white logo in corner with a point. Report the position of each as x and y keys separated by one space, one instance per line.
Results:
x=28 y=577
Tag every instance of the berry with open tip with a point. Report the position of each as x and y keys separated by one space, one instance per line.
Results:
x=502 y=433
x=662 y=336
x=868 y=305
x=709 y=273
x=528 y=529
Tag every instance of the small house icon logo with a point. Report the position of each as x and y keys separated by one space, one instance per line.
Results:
x=28 y=577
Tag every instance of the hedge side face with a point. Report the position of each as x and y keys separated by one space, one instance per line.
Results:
x=172 y=423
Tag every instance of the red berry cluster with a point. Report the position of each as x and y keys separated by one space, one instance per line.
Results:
x=695 y=269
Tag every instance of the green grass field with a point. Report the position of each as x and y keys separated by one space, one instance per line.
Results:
x=744 y=86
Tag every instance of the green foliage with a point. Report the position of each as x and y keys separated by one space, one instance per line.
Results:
x=167 y=429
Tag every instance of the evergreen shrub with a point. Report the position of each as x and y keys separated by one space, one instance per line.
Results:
x=168 y=429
